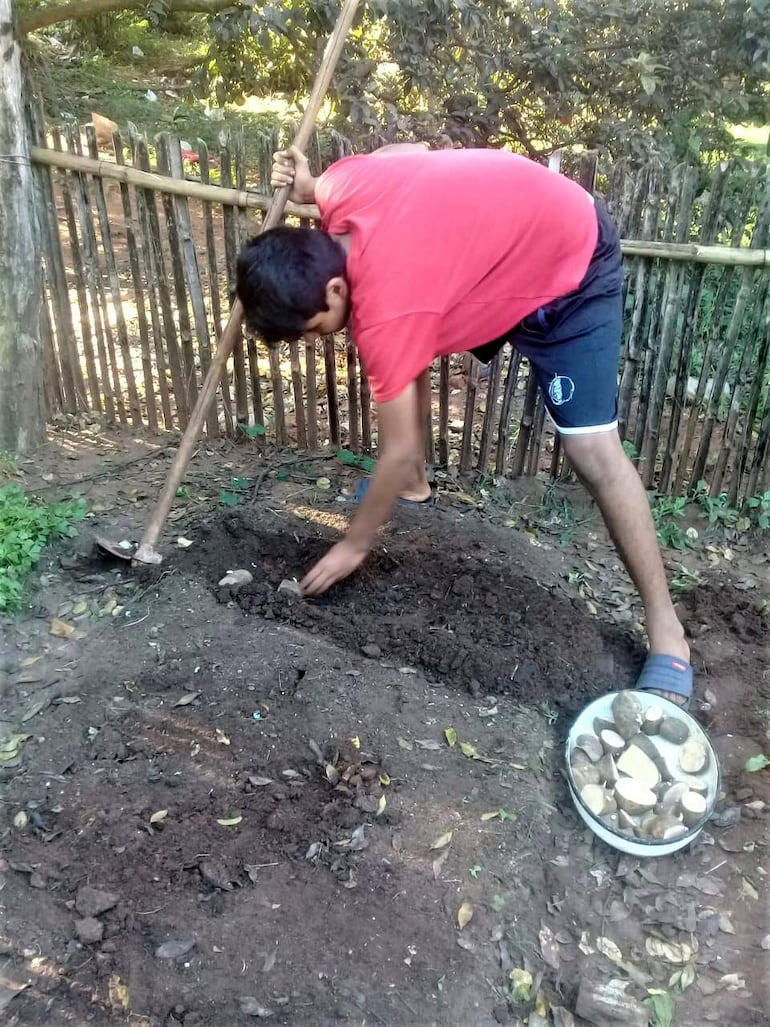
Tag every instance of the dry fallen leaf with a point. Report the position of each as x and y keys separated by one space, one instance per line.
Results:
x=671 y=951
x=442 y=840
x=464 y=914
x=187 y=699
x=60 y=628
x=608 y=948
x=549 y=948
x=438 y=863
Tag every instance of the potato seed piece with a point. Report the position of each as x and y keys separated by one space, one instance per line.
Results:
x=693 y=807
x=612 y=742
x=627 y=714
x=591 y=746
x=693 y=757
x=674 y=730
x=638 y=765
x=652 y=719
x=634 y=797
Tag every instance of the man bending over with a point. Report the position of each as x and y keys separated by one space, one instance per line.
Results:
x=432 y=253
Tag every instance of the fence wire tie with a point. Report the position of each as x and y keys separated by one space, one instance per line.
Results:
x=15 y=158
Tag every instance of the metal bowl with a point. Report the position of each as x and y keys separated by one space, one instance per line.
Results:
x=602 y=707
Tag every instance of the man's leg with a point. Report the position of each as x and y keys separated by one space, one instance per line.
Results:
x=614 y=483
x=419 y=488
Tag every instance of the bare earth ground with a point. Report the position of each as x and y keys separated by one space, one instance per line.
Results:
x=231 y=803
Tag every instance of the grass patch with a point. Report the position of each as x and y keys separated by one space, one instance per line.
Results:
x=25 y=528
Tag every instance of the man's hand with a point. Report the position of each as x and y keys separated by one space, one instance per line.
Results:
x=341 y=560
x=290 y=167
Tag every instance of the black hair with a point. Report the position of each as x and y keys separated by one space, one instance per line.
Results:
x=281 y=278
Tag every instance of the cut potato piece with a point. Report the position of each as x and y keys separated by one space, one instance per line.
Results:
x=587 y=775
x=664 y=827
x=693 y=807
x=608 y=772
x=634 y=797
x=595 y=798
x=671 y=798
x=693 y=757
x=652 y=719
x=612 y=742
x=591 y=746
x=638 y=765
x=627 y=713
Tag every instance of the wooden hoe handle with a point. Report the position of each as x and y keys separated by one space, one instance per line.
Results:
x=147 y=553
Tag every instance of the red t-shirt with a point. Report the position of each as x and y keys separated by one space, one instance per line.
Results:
x=450 y=249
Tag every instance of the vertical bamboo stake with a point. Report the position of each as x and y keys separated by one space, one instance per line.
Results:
x=443 y=413
x=298 y=389
x=333 y=411
x=81 y=291
x=536 y=442
x=366 y=412
x=216 y=303
x=230 y=218
x=252 y=352
x=641 y=277
x=312 y=395
x=172 y=210
x=138 y=287
x=112 y=272
x=192 y=277
x=350 y=351
x=760 y=377
x=490 y=408
x=93 y=282
x=156 y=267
x=466 y=447
x=73 y=385
x=276 y=378
x=504 y=424
x=526 y=425
x=52 y=377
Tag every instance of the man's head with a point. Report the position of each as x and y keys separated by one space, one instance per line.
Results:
x=291 y=282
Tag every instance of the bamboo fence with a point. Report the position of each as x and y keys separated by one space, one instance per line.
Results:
x=140 y=245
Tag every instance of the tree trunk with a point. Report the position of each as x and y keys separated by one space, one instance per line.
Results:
x=22 y=415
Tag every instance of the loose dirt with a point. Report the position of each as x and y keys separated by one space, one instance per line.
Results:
x=235 y=806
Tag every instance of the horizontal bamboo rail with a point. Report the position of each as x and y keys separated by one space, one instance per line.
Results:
x=162 y=184
x=727 y=256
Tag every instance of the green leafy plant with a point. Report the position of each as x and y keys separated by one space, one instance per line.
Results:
x=716 y=509
x=25 y=527
x=685 y=580
x=666 y=511
x=759 y=510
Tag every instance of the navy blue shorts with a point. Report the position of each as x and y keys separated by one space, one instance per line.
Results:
x=573 y=343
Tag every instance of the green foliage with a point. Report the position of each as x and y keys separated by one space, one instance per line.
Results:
x=759 y=510
x=666 y=512
x=25 y=527
x=667 y=77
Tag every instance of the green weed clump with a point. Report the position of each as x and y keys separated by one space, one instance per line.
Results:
x=25 y=528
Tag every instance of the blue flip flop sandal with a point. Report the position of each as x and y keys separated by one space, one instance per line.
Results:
x=662 y=673
x=362 y=487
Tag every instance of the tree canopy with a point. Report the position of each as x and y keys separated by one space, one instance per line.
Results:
x=664 y=76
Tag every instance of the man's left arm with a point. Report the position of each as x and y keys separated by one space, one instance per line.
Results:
x=398 y=421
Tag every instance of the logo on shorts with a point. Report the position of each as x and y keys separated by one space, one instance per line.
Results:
x=561 y=390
